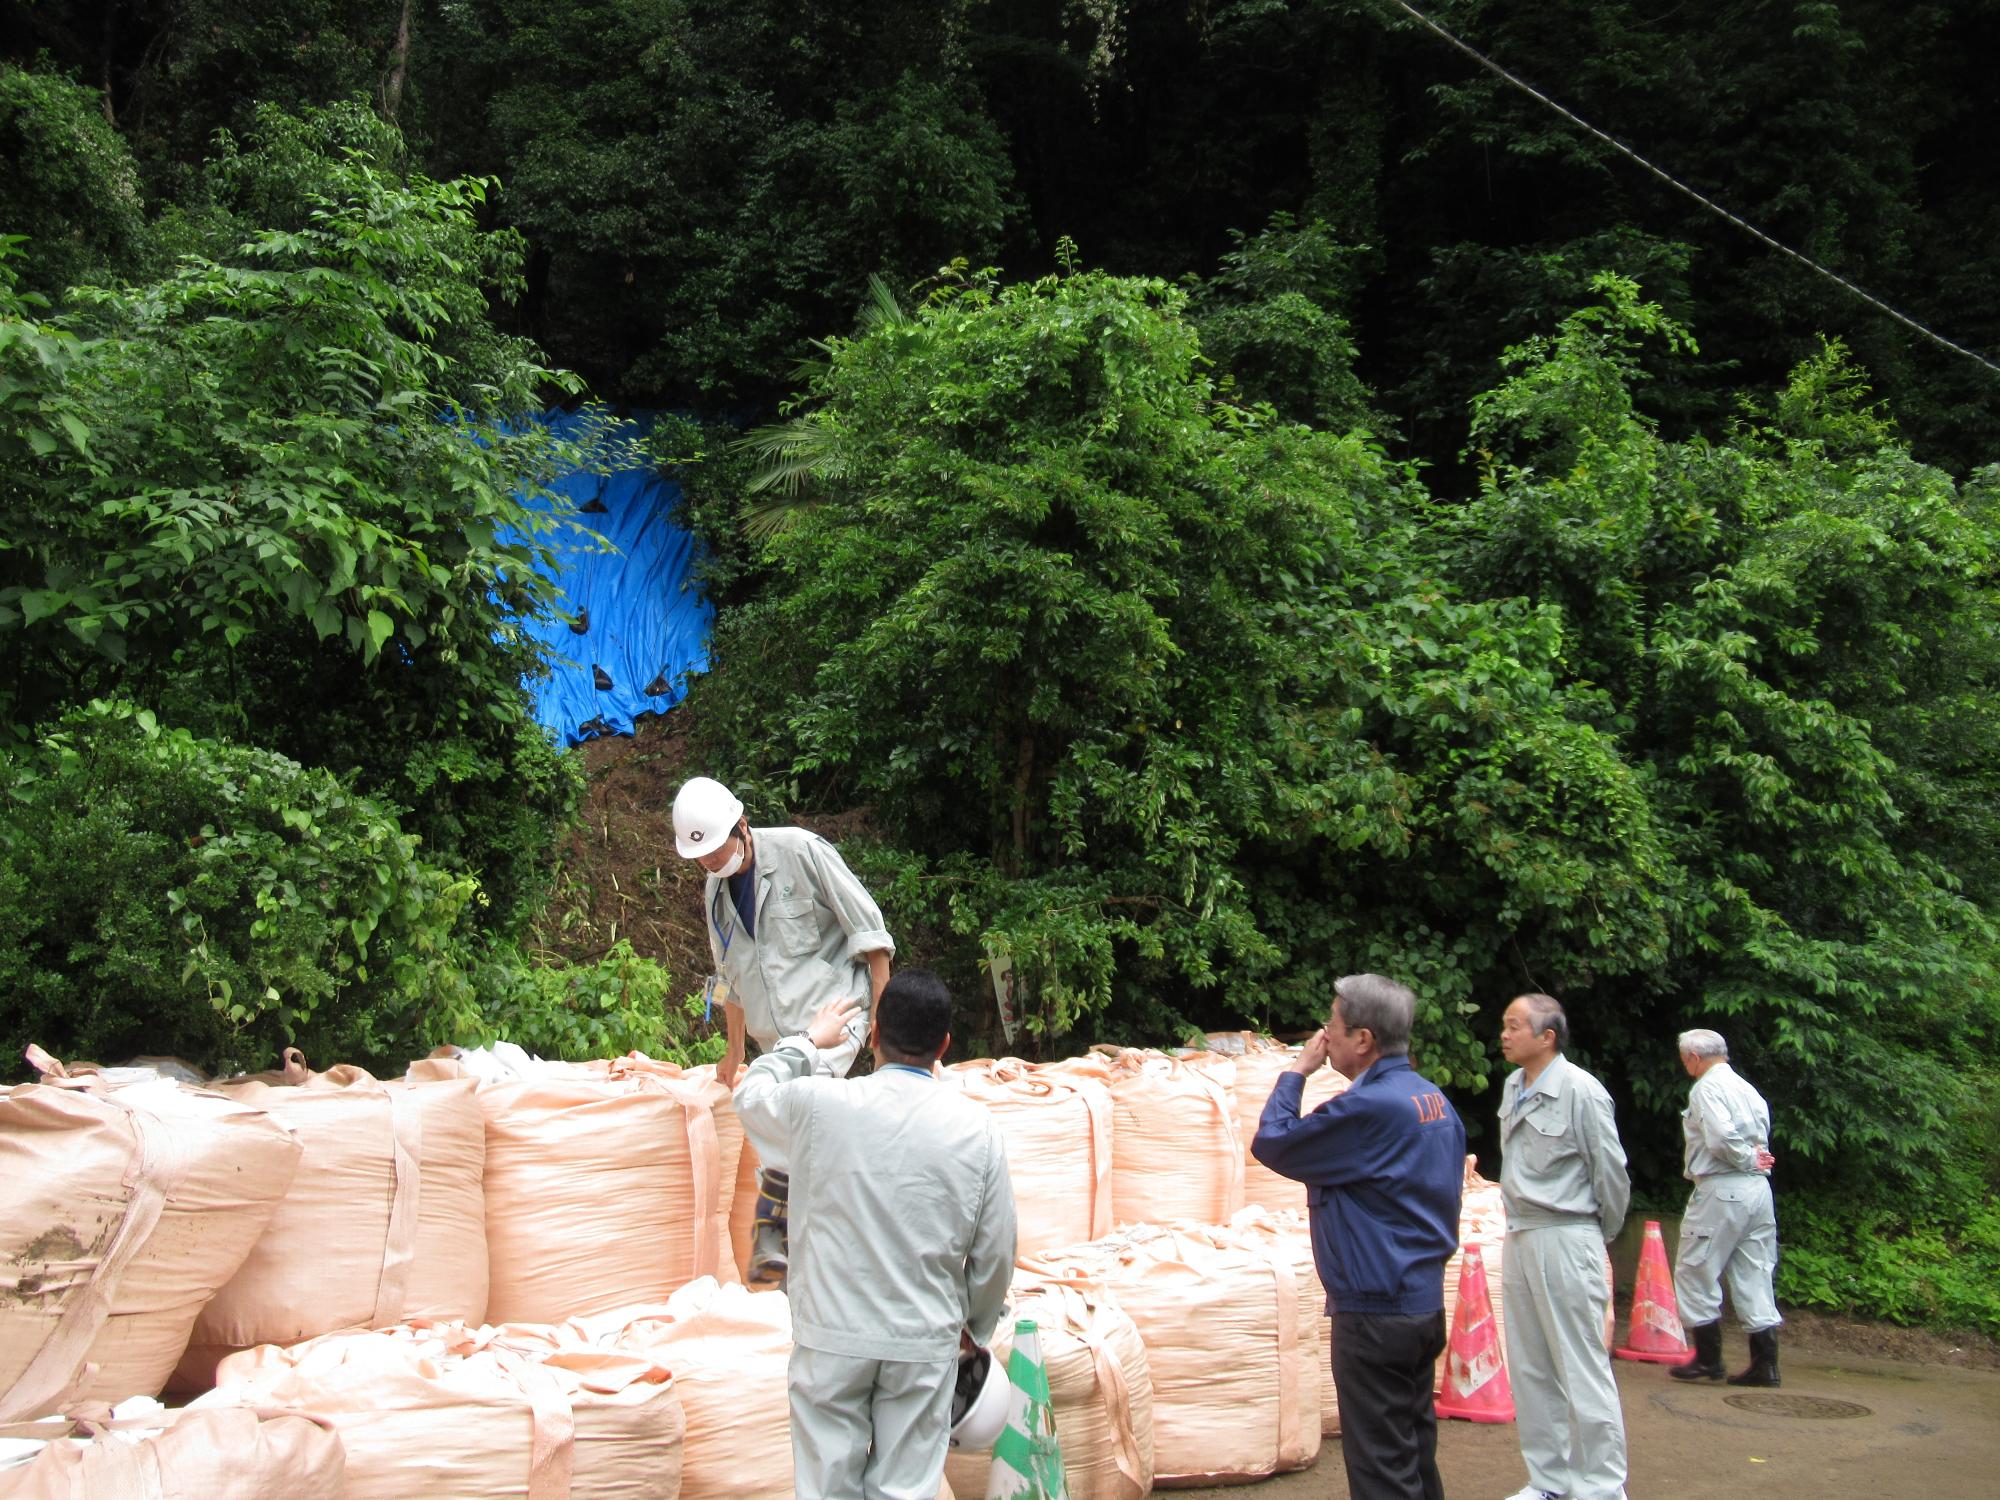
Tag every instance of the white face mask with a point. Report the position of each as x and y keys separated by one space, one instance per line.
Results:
x=735 y=862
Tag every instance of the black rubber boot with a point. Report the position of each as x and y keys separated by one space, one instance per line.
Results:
x=1763 y=1360
x=770 y=1245
x=1707 y=1361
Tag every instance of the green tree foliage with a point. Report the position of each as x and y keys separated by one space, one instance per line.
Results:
x=1791 y=635
x=709 y=184
x=272 y=496
x=1145 y=678
x=68 y=183
x=165 y=893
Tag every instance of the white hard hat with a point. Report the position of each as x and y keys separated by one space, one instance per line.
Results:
x=705 y=814
x=979 y=1401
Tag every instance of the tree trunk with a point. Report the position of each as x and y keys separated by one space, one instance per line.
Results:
x=399 y=67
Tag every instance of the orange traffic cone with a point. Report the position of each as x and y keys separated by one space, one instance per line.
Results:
x=1475 y=1373
x=1657 y=1336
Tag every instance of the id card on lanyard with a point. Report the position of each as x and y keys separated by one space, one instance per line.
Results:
x=725 y=936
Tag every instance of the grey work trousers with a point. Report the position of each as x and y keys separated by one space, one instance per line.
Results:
x=869 y=1429
x=1730 y=1233
x=1565 y=1398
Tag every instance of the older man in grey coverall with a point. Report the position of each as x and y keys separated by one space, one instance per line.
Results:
x=1730 y=1230
x=902 y=1242
x=1564 y=1189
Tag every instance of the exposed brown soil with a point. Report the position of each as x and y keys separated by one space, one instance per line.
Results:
x=1823 y=1334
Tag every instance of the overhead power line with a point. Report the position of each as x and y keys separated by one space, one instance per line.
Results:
x=1681 y=187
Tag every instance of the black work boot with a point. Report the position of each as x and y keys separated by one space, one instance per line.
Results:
x=1763 y=1360
x=770 y=1242
x=1707 y=1361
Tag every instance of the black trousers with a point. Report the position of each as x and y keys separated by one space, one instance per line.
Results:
x=1382 y=1367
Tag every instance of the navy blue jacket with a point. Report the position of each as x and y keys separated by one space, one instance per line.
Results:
x=1384 y=1169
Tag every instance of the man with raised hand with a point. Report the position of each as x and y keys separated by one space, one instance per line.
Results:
x=1384 y=1169
x=903 y=1234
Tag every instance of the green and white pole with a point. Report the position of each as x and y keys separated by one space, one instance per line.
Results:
x=1027 y=1459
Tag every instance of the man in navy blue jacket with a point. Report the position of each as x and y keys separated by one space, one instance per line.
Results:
x=1384 y=1169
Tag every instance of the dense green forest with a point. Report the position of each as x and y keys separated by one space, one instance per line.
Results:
x=1227 y=494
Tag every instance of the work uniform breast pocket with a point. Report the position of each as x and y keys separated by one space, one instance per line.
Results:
x=794 y=926
x=1544 y=1138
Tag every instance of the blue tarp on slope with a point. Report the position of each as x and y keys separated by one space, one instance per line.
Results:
x=645 y=624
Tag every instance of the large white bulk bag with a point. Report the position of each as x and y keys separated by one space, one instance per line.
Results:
x=210 y=1455
x=1260 y=1061
x=1057 y=1132
x=385 y=1220
x=1100 y=1387
x=730 y=1350
x=1175 y=1150
x=128 y=1205
x=1290 y=1235
x=444 y=1412
x=1236 y=1390
x=607 y=1186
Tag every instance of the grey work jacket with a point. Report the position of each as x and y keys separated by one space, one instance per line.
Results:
x=902 y=1212
x=814 y=923
x=1725 y=1122
x=1561 y=1161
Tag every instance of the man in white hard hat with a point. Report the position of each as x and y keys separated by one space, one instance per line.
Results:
x=790 y=930
x=1730 y=1231
x=905 y=1237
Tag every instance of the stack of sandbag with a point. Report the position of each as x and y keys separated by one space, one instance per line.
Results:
x=1100 y=1387
x=443 y=1412
x=385 y=1219
x=209 y=1455
x=1236 y=1390
x=730 y=1350
x=1176 y=1154
x=1290 y=1234
x=1259 y=1063
x=129 y=1201
x=1057 y=1131
x=607 y=1185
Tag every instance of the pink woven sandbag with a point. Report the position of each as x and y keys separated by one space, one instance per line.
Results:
x=1260 y=1062
x=1100 y=1386
x=210 y=1455
x=607 y=1186
x=444 y=1412
x=385 y=1220
x=1290 y=1234
x=1175 y=1151
x=130 y=1200
x=743 y=1210
x=730 y=1350
x=1235 y=1391
x=1057 y=1131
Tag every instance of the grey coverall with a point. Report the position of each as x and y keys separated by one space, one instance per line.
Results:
x=1565 y=1191
x=814 y=924
x=1730 y=1230
x=902 y=1220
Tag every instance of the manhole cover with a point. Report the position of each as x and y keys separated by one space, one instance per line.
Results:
x=1815 y=1408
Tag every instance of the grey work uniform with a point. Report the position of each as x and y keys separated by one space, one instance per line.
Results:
x=902 y=1225
x=1564 y=1188
x=813 y=926
x=1730 y=1230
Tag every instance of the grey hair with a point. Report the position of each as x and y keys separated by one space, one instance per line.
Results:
x=1545 y=1013
x=1703 y=1043
x=1382 y=1006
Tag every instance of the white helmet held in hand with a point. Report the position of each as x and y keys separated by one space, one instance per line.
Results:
x=979 y=1401
x=705 y=814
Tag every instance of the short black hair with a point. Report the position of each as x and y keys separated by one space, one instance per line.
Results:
x=913 y=1017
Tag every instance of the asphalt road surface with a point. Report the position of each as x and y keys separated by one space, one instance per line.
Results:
x=1842 y=1426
